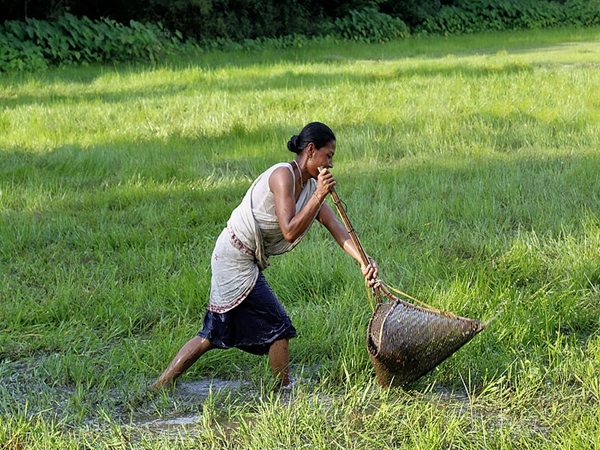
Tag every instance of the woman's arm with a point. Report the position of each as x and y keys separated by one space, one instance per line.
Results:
x=328 y=218
x=281 y=184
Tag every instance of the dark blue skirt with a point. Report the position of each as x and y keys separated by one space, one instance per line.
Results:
x=253 y=325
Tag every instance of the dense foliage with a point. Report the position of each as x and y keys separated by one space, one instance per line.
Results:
x=229 y=19
x=94 y=32
x=468 y=16
x=36 y=44
x=370 y=25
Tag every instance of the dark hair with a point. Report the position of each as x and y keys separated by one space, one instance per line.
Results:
x=316 y=132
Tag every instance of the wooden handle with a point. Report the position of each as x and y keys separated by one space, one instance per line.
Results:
x=338 y=204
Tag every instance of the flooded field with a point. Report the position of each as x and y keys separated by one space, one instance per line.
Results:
x=189 y=420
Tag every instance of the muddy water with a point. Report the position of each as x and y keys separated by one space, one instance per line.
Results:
x=190 y=395
x=25 y=391
x=201 y=389
x=186 y=393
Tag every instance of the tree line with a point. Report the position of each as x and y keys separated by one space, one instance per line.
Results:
x=36 y=34
x=229 y=19
x=238 y=20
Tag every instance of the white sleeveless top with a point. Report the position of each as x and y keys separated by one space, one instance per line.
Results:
x=252 y=235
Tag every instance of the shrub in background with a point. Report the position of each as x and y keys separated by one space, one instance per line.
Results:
x=412 y=12
x=36 y=44
x=469 y=16
x=582 y=12
x=16 y=54
x=370 y=25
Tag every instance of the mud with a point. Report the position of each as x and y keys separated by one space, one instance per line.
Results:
x=187 y=395
x=201 y=389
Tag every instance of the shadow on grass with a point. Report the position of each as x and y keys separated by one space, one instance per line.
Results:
x=203 y=67
x=289 y=80
x=118 y=176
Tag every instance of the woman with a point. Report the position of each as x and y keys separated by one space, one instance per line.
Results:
x=275 y=214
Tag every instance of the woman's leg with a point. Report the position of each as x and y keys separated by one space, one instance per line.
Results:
x=279 y=357
x=186 y=356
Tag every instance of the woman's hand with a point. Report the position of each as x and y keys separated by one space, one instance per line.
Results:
x=325 y=182
x=370 y=271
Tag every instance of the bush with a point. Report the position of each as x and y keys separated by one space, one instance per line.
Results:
x=412 y=12
x=19 y=55
x=582 y=12
x=369 y=25
x=36 y=44
x=469 y=16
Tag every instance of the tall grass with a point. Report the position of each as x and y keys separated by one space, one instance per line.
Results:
x=468 y=166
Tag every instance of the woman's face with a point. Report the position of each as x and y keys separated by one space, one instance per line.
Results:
x=323 y=157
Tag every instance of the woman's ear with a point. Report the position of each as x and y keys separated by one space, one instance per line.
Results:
x=310 y=150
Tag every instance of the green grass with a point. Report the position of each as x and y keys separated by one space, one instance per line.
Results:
x=468 y=165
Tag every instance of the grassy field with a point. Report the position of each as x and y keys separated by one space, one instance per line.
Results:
x=468 y=165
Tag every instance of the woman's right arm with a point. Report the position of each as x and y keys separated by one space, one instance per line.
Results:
x=294 y=225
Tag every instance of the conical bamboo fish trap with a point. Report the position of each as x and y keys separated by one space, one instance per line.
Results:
x=406 y=341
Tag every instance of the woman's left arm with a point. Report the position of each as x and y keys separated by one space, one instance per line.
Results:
x=337 y=229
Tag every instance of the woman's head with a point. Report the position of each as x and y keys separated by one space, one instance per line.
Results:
x=316 y=132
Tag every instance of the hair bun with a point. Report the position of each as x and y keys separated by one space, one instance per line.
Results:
x=292 y=144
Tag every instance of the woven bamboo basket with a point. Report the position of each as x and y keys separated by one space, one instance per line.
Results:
x=406 y=341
